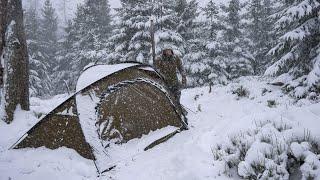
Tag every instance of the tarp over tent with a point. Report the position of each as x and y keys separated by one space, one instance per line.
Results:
x=113 y=105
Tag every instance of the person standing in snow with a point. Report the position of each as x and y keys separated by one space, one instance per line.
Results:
x=167 y=65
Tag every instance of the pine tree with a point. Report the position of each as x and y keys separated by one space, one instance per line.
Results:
x=167 y=22
x=187 y=13
x=260 y=32
x=97 y=22
x=196 y=60
x=233 y=44
x=121 y=35
x=64 y=74
x=198 y=69
x=85 y=42
x=139 y=48
x=132 y=38
x=211 y=12
x=48 y=46
x=188 y=28
x=203 y=66
x=296 y=55
x=117 y=44
x=48 y=30
x=211 y=29
x=39 y=77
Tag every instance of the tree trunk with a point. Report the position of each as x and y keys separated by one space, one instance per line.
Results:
x=16 y=62
x=152 y=32
x=3 y=17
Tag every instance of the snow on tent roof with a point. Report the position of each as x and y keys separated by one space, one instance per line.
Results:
x=95 y=73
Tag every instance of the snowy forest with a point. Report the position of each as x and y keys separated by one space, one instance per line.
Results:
x=252 y=93
x=217 y=42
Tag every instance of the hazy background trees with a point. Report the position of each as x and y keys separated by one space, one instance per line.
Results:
x=217 y=42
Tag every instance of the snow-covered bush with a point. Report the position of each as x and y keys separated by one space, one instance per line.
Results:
x=272 y=103
x=272 y=150
x=241 y=92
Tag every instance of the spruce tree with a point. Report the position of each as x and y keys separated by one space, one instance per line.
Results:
x=39 y=78
x=139 y=48
x=121 y=35
x=188 y=28
x=211 y=29
x=196 y=68
x=296 y=54
x=260 y=32
x=187 y=13
x=167 y=22
x=196 y=60
x=211 y=12
x=48 y=33
x=85 y=42
x=203 y=65
x=63 y=72
x=131 y=40
x=45 y=51
x=232 y=43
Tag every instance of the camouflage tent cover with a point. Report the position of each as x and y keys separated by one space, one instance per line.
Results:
x=113 y=105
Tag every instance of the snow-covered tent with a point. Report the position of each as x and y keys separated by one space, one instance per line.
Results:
x=113 y=104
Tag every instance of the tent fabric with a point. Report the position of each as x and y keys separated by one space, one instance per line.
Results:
x=114 y=104
x=60 y=128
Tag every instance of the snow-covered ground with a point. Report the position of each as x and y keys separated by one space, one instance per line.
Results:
x=186 y=156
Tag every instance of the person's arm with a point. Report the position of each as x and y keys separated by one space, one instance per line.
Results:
x=157 y=64
x=182 y=71
x=1 y=76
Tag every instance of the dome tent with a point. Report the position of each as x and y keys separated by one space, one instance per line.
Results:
x=113 y=105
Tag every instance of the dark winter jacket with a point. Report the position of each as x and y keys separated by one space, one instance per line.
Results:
x=168 y=67
x=1 y=76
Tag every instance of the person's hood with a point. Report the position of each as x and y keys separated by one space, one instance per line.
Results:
x=167 y=49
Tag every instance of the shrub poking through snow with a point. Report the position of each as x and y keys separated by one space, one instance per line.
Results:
x=241 y=92
x=272 y=150
x=265 y=91
x=272 y=103
x=313 y=96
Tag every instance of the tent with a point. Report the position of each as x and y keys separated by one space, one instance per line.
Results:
x=113 y=105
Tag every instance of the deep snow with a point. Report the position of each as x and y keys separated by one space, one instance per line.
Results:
x=187 y=155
